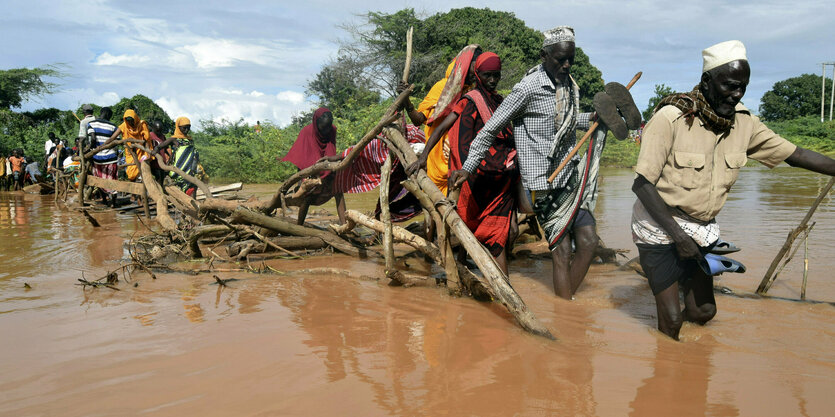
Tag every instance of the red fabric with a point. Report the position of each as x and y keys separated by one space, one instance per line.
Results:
x=365 y=172
x=106 y=171
x=310 y=145
x=487 y=198
x=462 y=65
x=488 y=61
x=156 y=140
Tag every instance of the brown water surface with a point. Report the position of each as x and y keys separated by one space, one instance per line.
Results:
x=332 y=345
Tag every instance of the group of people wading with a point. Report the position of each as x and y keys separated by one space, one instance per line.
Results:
x=499 y=151
x=178 y=149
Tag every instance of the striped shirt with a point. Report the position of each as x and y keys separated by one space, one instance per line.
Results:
x=533 y=106
x=101 y=130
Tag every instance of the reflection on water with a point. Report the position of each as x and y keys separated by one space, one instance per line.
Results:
x=322 y=345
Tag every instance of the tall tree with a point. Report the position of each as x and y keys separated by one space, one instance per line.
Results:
x=147 y=109
x=378 y=45
x=794 y=97
x=20 y=84
x=661 y=91
x=341 y=86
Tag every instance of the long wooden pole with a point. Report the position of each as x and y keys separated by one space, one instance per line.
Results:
x=586 y=136
x=408 y=54
x=769 y=277
x=494 y=276
x=385 y=218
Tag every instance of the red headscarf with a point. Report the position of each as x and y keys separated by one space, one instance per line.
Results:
x=488 y=61
x=311 y=145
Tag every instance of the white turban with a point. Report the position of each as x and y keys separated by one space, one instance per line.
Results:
x=722 y=53
x=558 y=34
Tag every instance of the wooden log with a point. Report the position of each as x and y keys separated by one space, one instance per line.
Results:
x=286 y=242
x=769 y=278
x=385 y=218
x=246 y=216
x=399 y=234
x=123 y=186
x=805 y=267
x=155 y=191
x=496 y=279
x=183 y=202
x=408 y=65
x=171 y=168
x=200 y=232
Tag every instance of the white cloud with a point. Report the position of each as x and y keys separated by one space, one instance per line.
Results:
x=125 y=60
x=211 y=53
x=290 y=96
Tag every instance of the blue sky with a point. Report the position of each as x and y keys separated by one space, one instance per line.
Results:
x=213 y=59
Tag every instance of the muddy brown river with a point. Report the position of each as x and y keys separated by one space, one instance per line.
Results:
x=312 y=345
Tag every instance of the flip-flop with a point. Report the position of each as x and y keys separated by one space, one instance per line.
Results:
x=716 y=264
x=607 y=111
x=723 y=247
x=623 y=100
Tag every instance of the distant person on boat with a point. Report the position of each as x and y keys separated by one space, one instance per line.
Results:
x=691 y=152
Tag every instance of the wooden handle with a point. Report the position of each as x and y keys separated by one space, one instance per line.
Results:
x=586 y=136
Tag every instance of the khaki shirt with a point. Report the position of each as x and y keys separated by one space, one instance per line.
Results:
x=694 y=168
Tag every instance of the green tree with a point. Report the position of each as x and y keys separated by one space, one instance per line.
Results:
x=378 y=45
x=661 y=91
x=20 y=84
x=341 y=87
x=794 y=97
x=147 y=109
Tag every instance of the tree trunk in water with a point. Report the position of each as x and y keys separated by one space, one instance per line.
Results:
x=496 y=279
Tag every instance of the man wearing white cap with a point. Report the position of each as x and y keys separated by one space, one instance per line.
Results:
x=691 y=152
x=544 y=110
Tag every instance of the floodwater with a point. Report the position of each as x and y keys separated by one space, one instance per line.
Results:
x=305 y=345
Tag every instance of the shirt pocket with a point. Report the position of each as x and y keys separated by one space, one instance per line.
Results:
x=733 y=162
x=690 y=169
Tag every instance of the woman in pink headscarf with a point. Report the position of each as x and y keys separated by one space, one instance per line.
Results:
x=317 y=141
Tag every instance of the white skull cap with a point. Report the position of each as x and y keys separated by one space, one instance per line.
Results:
x=558 y=34
x=722 y=53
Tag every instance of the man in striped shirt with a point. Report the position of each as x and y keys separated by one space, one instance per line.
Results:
x=104 y=162
x=544 y=110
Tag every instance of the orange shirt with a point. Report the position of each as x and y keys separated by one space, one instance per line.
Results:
x=17 y=163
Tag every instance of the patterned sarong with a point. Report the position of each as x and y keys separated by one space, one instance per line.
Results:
x=556 y=209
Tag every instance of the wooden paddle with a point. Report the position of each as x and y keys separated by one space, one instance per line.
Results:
x=586 y=136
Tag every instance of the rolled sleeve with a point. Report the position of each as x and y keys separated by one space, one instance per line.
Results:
x=583 y=121
x=510 y=109
x=656 y=144
x=767 y=147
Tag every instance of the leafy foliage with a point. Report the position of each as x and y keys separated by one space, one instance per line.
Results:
x=794 y=97
x=20 y=84
x=661 y=91
x=378 y=44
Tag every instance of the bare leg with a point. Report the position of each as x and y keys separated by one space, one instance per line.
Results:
x=303 y=212
x=699 y=301
x=501 y=260
x=340 y=207
x=669 y=311
x=586 y=240
x=560 y=258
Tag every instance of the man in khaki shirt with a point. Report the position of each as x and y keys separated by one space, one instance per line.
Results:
x=691 y=153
